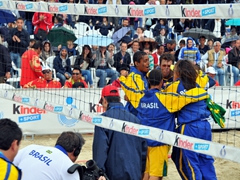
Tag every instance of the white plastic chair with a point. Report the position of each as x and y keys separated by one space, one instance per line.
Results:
x=49 y=62
x=81 y=30
x=72 y=60
x=93 y=32
x=15 y=78
x=96 y=79
x=148 y=34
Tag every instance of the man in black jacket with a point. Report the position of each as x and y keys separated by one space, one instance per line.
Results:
x=122 y=58
x=5 y=64
x=18 y=41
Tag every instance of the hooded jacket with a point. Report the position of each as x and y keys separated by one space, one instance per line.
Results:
x=190 y=53
x=45 y=54
x=121 y=156
x=58 y=63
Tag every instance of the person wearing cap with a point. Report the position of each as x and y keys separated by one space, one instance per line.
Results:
x=156 y=109
x=136 y=80
x=120 y=155
x=124 y=71
x=212 y=73
x=62 y=65
x=44 y=82
x=76 y=80
x=31 y=68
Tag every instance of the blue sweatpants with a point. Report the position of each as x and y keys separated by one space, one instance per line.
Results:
x=192 y=165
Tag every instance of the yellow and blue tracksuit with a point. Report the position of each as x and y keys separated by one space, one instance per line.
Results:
x=8 y=171
x=193 y=121
x=135 y=83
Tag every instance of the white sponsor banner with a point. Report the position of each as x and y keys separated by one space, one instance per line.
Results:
x=207 y=11
x=35 y=98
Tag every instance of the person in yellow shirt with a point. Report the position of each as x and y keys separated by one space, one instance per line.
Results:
x=10 y=138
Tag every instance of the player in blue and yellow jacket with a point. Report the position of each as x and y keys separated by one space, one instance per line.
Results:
x=156 y=109
x=136 y=81
x=10 y=137
x=192 y=120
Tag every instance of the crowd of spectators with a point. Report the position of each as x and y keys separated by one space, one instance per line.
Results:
x=109 y=60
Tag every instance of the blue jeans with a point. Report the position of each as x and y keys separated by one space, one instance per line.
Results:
x=235 y=71
x=62 y=77
x=220 y=75
x=87 y=76
x=29 y=27
x=16 y=58
x=103 y=73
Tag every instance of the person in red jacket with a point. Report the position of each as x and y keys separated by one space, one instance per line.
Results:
x=156 y=56
x=31 y=68
x=42 y=22
x=46 y=82
x=76 y=79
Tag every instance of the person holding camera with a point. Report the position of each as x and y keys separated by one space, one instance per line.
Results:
x=120 y=156
x=51 y=163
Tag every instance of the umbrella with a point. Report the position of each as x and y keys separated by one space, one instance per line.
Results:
x=7 y=16
x=217 y=112
x=97 y=40
x=60 y=36
x=144 y=40
x=197 y=32
x=117 y=36
x=233 y=22
x=227 y=42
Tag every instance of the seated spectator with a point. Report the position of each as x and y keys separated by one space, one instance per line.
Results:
x=190 y=52
x=84 y=62
x=156 y=56
x=44 y=82
x=202 y=47
x=212 y=73
x=133 y=49
x=151 y=60
x=162 y=37
x=62 y=65
x=111 y=48
x=5 y=63
x=210 y=43
x=170 y=46
x=46 y=51
x=234 y=60
x=76 y=79
x=103 y=63
x=104 y=27
x=162 y=24
x=180 y=28
x=122 y=58
x=124 y=71
x=182 y=44
x=58 y=21
x=71 y=49
x=139 y=34
x=215 y=58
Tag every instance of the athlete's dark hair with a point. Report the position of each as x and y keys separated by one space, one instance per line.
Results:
x=9 y=131
x=138 y=56
x=187 y=73
x=70 y=141
x=155 y=77
x=167 y=57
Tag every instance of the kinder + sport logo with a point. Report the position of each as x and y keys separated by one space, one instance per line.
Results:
x=21 y=6
x=140 y=12
x=197 y=13
x=183 y=144
x=132 y=130
x=94 y=11
x=57 y=9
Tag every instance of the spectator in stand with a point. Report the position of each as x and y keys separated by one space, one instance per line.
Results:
x=170 y=47
x=71 y=48
x=212 y=73
x=234 y=60
x=151 y=60
x=84 y=62
x=46 y=81
x=180 y=28
x=5 y=63
x=103 y=63
x=202 y=47
x=182 y=44
x=124 y=71
x=140 y=33
x=42 y=24
x=162 y=24
x=46 y=51
x=31 y=68
x=62 y=65
x=18 y=41
x=217 y=26
x=111 y=48
x=210 y=43
x=10 y=138
x=190 y=52
x=58 y=21
x=133 y=49
x=122 y=58
x=104 y=27
x=156 y=56
x=162 y=37
x=215 y=58
x=76 y=78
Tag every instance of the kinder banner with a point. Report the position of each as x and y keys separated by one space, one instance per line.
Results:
x=208 y=11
